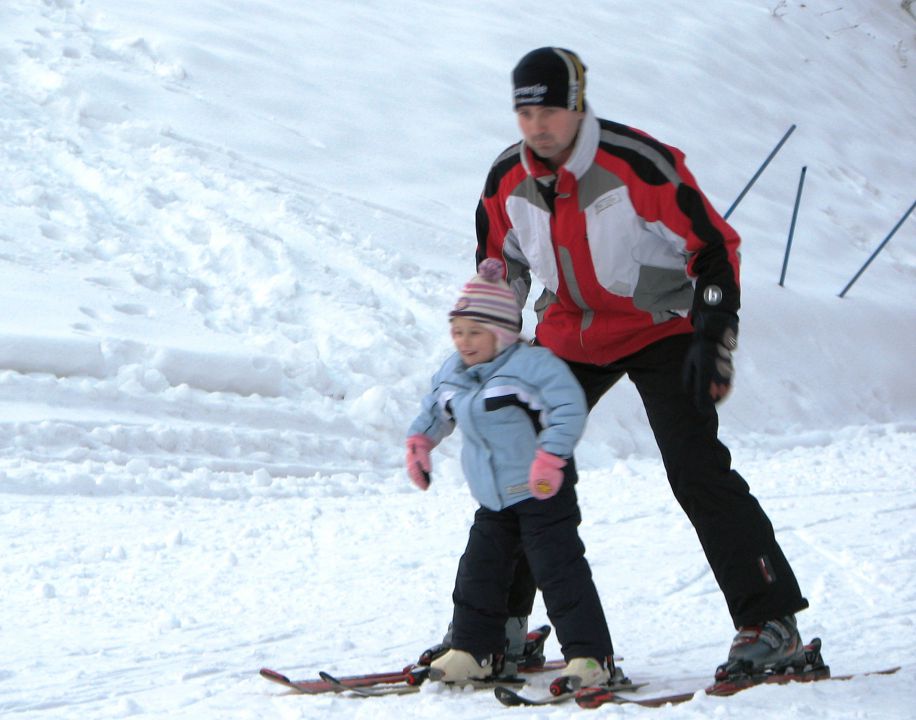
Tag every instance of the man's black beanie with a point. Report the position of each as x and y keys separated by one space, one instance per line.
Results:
x=552 y=77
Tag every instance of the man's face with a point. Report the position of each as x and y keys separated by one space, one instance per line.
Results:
x=549 y=131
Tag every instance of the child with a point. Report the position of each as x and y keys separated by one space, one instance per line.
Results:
x=521 y=412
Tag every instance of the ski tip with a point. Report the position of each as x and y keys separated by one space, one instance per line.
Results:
x=888 y=671
x=507 y=696
x=273 y=675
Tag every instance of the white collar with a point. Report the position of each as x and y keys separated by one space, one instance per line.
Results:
x=586 y=146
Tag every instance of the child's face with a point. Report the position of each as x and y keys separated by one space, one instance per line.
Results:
x=473 y=341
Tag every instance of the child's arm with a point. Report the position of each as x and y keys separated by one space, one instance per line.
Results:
x=435 y=419
x=563 y=416
x=565 y=410
x=433 y=423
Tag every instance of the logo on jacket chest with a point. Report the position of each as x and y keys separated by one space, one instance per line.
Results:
x=606 y=201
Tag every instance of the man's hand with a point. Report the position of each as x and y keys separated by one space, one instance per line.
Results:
x=708 y=368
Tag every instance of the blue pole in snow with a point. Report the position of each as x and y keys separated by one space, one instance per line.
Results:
x=759 y=171
x=880 y=248
x=785 y=260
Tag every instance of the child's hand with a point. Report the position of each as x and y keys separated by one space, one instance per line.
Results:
x=419 y=465
x=546 y=475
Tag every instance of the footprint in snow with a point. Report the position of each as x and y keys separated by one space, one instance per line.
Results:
x=132 y=309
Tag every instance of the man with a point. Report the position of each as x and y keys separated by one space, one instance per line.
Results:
x=641 y=278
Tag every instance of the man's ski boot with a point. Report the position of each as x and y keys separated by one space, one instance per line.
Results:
x=770 y=647
x=769 y=652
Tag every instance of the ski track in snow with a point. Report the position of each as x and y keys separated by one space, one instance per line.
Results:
x=206 y=365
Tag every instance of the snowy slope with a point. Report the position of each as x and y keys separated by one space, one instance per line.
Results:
x=229 y=234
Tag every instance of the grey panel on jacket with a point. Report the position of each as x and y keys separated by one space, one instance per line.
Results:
x=528 y=189
x=544 y=301
x=596 y=182
x=661 y=291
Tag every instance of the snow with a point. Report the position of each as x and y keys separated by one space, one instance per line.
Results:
x=229 y=235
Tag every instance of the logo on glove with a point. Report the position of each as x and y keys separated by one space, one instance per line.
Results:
x=543 y=486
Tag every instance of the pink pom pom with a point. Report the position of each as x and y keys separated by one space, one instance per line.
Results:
x=491 y=270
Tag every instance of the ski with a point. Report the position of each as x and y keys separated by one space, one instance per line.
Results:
x=319 y=685
x=562 y=689
x=594 y=697
x=411 y=684
x=405 y=688
x=315 y=686
x=814 y=670
x=511 y=698
x=730 y=687
x=435 y=675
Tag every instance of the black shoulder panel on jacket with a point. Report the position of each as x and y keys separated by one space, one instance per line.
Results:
x=508 y=159
x=651 y=160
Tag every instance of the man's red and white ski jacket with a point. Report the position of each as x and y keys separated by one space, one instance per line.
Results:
x=621 y=237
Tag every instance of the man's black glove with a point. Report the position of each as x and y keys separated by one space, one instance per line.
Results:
x=708 y=368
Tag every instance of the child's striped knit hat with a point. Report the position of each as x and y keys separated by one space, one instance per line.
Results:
x=487 y=299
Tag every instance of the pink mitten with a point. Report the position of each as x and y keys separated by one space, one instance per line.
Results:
x=546 y=475
x=419 y=464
